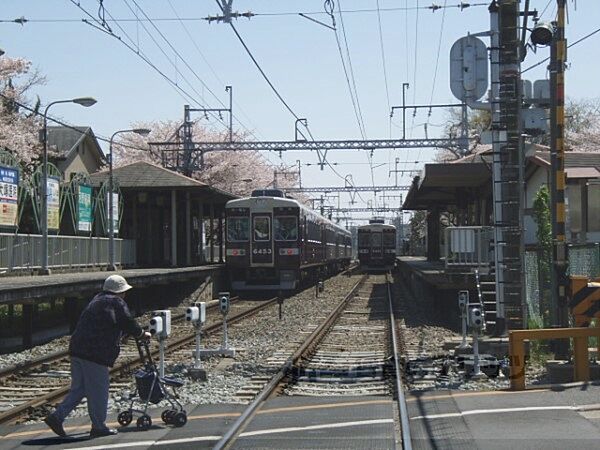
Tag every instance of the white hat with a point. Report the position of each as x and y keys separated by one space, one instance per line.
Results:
x=116 y=284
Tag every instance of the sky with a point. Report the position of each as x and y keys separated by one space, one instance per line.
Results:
x=299 y=56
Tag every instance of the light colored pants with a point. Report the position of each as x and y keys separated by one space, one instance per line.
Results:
x=89 y=380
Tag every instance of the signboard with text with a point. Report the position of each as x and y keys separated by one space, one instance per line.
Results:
x=84 y=208
x=115 y=212
x=53 y=191
x=9 y=195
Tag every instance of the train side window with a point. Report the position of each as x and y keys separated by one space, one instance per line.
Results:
x=238 y=229
x=262 y=230
x=285 y=228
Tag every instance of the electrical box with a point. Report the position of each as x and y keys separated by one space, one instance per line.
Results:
x=321 y=286
x=156 y=326
x=475 y=318
x=196 y=313
x=535 y=120
x=165 y=314
x=224 y=302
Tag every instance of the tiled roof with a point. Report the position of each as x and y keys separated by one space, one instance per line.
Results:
x=64 y=139
x=143 y=174
x=574 y=159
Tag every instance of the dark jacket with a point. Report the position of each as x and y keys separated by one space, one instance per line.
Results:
x=100 y=328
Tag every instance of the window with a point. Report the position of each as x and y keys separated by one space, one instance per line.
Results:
x=376 y=239
x=389 y=239
x=593 y=204
x=364 y=239
x=262 y=230
x=574 y=199
x=238 y=229
x=285 y=228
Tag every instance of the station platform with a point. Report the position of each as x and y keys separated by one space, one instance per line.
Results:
x=434 y=273
x=284 y=422
x=21 y=289
x=558 y=417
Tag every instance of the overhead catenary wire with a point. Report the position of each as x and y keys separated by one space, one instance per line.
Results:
x=95 y=23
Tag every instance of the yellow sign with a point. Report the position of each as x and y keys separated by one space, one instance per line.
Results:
x=53 y=194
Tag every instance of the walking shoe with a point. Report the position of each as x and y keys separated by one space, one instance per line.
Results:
x=103 y=432
x=55 y=425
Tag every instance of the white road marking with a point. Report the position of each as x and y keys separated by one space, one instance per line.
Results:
x=245 y=434
x=317 y=427
x=495 y=411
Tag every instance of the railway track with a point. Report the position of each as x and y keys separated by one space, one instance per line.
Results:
x=353 y=351
x=46 y=380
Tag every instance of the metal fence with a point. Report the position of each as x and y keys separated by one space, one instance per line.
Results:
x=468 y=246
x=24 y=252
x=584 y=259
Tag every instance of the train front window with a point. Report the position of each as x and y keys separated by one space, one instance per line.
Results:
x=376 y=239
x=364 y=239
x=388 y=239
x=262 y=231
x=238 y=229
x=285 y=228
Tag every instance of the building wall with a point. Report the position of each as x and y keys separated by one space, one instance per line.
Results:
x=84 y=160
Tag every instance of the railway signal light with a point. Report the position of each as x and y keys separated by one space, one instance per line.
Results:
x=156 y=326
x=224 y=302
x=476 y=318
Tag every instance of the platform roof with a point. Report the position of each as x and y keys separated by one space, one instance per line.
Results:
x=441 y=184
x=145 y=176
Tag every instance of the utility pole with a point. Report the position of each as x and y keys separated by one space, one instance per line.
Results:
x=558 y=57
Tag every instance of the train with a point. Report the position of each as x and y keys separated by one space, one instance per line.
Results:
x=377 y=245
x=274 y=243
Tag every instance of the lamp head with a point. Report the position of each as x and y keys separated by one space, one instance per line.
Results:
x=542 y=34
x=84 y=101
x=142 y=131
x=1 y=52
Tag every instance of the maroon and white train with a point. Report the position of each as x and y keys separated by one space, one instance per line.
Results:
x=377 y=245
x=276 y=243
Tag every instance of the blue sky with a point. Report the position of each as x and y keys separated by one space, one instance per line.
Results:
x=299 y=56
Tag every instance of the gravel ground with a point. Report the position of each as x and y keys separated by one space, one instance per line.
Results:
x=256 y=338
x=423 y=335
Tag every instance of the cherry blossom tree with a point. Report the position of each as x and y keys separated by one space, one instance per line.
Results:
x=18 y=129
x=235 y=172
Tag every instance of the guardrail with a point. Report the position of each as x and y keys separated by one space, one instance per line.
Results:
x=468 y=246
x=20 y=252
x=516 y=351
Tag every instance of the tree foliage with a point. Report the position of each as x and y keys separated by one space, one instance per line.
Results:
x=235 y=172
x=18 y=129
x=418 y=230
x=542 y=218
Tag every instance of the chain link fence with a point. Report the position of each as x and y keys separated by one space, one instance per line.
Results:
x=584 y=259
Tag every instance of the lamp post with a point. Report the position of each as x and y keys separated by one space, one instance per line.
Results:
x=111 y=225
x=83 y=101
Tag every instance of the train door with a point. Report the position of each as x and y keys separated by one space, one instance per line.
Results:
x=262 y=241
x=376 y=245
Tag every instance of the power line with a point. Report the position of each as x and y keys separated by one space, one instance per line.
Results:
x=260 y=69
x=583 y=38
x=197 y=47
x=64 y=124
x=99 y=26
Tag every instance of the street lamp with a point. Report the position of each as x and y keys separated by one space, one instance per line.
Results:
x=111 y=226
x=83 y=101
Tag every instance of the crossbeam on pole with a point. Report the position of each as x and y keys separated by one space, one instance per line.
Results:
x=328 y=189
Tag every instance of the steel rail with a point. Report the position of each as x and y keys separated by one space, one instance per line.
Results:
x=125 y=366
x=309 y=343
x=15 y=369
x=402 y=410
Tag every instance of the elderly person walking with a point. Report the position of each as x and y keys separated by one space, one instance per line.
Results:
x=94 y=348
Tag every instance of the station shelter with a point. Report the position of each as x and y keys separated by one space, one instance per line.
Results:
x=174 y=220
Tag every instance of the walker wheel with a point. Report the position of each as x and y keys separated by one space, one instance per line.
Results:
x=124 y=418
x=167 y=416
x=144 y=422
x=180 y=419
